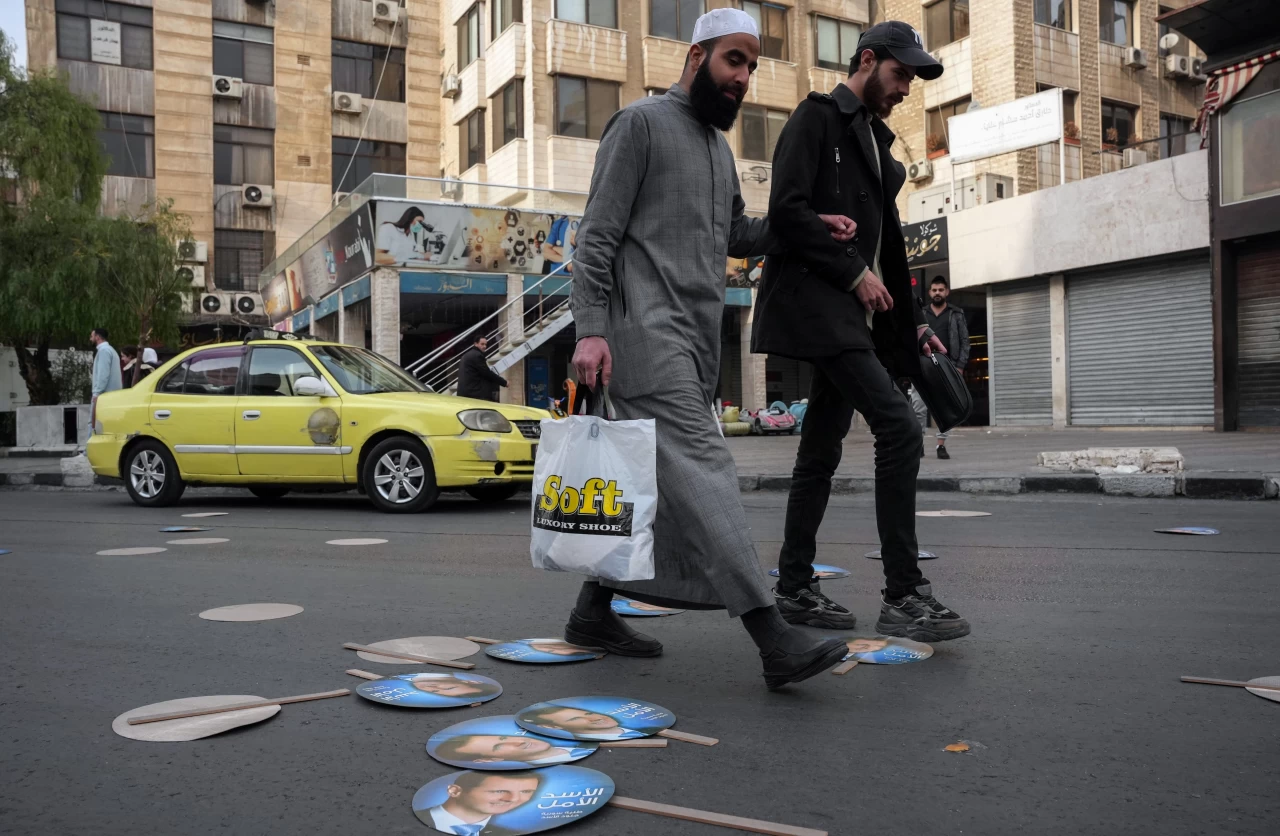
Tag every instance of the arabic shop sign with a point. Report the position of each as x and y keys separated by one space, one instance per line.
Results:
x=926 y=242
x=1021 y=123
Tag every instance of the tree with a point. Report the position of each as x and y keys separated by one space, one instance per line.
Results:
x=49 y=272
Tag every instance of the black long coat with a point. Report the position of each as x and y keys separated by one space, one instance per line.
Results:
x=476 y=379
x=805 y=308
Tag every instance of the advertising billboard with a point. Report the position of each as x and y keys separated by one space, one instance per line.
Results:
x=342 y=256
x=1021 y=123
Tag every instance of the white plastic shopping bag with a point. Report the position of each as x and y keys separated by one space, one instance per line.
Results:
x=595 y=495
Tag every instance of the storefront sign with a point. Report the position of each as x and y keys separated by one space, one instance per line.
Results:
x=926 y=242
x=104 y=41
x=1021 y=123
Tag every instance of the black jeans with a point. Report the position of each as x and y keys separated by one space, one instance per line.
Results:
x=855 y=380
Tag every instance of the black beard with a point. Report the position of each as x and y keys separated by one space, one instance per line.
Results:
x=873 y=95
x=709 y=101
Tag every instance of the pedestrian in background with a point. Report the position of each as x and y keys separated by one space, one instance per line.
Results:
x=475 y=379
x=106 y=366
x=948 y=323
x=128 y=359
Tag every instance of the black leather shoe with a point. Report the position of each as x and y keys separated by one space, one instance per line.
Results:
x=783 y=668
x=942 y=452
x=611 y=633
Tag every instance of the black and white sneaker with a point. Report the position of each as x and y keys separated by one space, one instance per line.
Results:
x=809 y=606
x=921 y=617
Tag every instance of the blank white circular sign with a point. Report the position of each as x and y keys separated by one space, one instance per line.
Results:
x=445 y=648
x=356 y=541
x=1273 y=681
x=135 y=550
x=191 y=728
x=952 y=514
x=198 y=541
x=251 y=612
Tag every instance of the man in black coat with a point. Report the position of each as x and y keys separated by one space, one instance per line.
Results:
x=475 y=378
x=847 y=308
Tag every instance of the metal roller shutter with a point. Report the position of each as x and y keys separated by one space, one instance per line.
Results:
x=1021 y=364
x=1140 y=344
x=1258 y=321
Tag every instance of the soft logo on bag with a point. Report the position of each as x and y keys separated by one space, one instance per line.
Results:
x=596 y=509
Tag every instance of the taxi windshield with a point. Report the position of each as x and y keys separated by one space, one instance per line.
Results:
x=362 y=372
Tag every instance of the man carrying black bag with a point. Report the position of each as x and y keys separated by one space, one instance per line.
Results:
x=847 y=307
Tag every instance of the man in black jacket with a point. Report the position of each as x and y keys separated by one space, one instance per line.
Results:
x=847 y=308
x=947 y=321
x=475 y=378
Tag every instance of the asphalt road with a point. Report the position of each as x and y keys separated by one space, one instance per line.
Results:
x=1083 y=620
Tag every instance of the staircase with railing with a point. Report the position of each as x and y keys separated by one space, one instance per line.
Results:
x=509 y=339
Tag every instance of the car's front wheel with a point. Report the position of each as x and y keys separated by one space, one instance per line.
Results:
x=151 y=475
x=399 y=477
x=493 y=493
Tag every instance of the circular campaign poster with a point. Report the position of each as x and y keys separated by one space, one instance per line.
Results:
x=822 y=572
x=596 y=718
x=431 y=690
x=541 y=651
x=639 y=609
x=511 y=803
x=498 y=743
x=881 y=650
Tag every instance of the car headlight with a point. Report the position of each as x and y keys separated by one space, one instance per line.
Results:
x=484 y=420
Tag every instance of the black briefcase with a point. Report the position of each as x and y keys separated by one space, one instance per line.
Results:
x=943 y=391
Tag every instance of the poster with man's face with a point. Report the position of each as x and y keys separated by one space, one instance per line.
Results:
x=882 y=650
x=596 y=718
x=511 y=803
x=497 y=743
x=639 y=609
x=541 y=651
x=431 y=690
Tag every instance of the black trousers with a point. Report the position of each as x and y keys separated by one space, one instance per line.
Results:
x=855 y=380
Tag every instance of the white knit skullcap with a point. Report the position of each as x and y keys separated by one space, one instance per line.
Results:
x=720 y=22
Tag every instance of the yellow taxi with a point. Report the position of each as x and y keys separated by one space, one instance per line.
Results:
x=285 y=413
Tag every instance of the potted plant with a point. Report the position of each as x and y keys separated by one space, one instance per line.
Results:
x=935 y=145
x=1072 y=133
x=1111 y=139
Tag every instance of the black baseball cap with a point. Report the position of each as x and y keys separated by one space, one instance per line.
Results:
x=904 y=43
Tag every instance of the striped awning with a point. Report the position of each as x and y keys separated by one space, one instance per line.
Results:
x=1225 y=84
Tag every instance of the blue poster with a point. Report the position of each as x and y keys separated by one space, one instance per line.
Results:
x=880 y=650
x=537 y=376
x=542 y=651
x=822 y=572
x=596 y=718
x=639 y=609
x=1188 y=530
x=497 y=743
x=431 y=690
x=511 y=803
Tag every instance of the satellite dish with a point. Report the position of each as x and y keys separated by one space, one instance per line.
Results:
x=1169 y=41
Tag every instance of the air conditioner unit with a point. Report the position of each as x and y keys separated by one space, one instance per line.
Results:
x=213 y=303
x=386 y=11
x=450 y=86
x=451 y=188
x=257 y=197
x=197 y=251
x=1135 y=58
x=226 y=87
x=993 y=187
x=193 y=274
x=1132 y=157
x=919 y=170
x=1177 y=66
x=348 y=103
x=247 y=304
x=1197 y=70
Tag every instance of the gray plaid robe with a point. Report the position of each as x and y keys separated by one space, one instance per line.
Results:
x=663 y=215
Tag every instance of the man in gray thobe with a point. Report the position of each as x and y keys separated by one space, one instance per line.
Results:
x=664 y=213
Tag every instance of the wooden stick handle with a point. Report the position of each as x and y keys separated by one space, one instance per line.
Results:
x=1203 y=681
x=364 y=674
x=466 y=666
x=199 y=712
x=479 y=640
x=688 y=738
x=735 y=822
x=844 y=667
x=641 y=743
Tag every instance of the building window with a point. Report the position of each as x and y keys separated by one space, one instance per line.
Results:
x=836 y=42
x=1176 y=136
x=244 y=52
x=1055 y=13
x=583 y=106
x=1118 y=123
x=357 y=68
x=469 y=37
x=760 y=130
x=674 y=19
x=946 y=22
x=128 y=143
x=243 y=155
x=237 y=258
x=361 y=158
x=472 y=138
x=510 y=113
x=595 y=12
x=1115 y=22
x=1249 y=132
x=771 y=20
x=936 y=134
x=505 y=13
x=109 y=33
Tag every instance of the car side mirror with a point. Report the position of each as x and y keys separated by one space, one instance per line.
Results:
x=309 y=386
